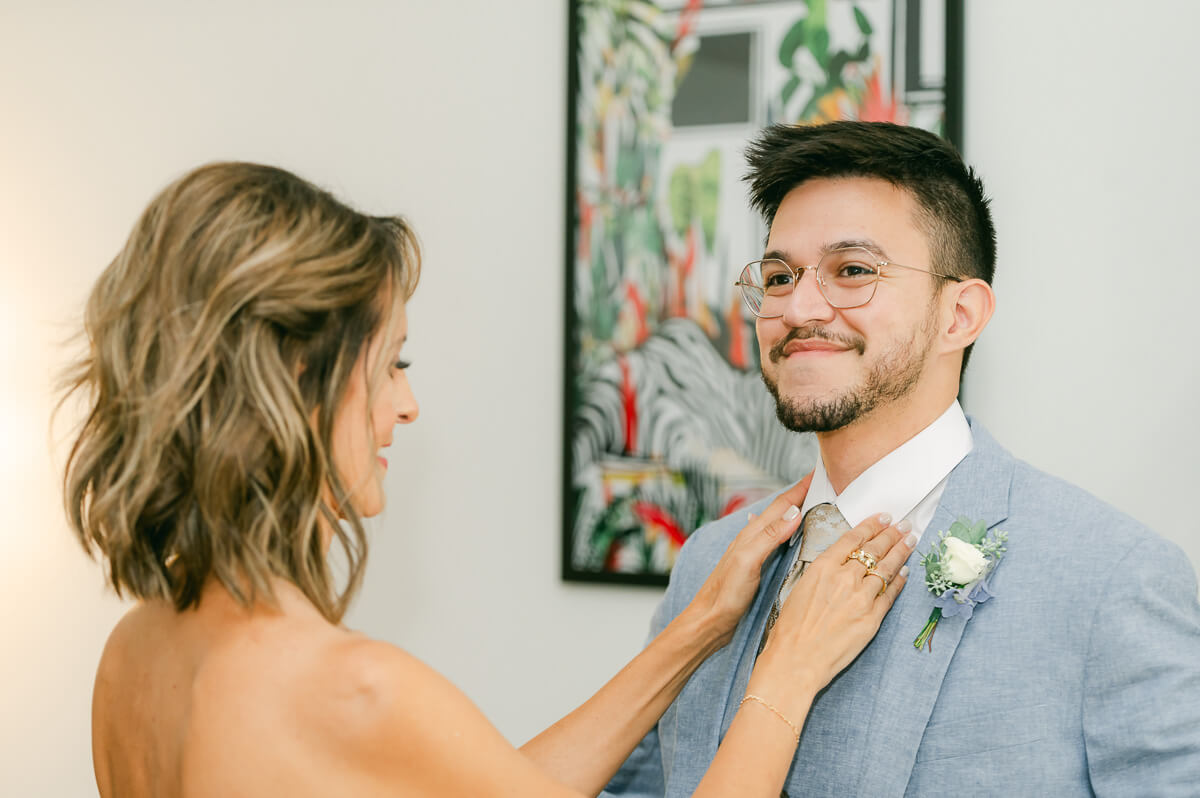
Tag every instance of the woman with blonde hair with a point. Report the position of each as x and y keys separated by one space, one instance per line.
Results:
x=243 y=374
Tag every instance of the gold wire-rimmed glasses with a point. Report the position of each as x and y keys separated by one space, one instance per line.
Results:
x=847 y=277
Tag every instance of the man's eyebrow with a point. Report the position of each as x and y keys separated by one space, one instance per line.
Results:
x=861 y=243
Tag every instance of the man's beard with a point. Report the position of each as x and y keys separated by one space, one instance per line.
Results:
x=894 y=376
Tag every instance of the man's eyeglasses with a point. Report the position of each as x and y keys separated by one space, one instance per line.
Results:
x=847 y=278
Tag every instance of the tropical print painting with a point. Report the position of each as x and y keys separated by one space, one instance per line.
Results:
x=668 y=424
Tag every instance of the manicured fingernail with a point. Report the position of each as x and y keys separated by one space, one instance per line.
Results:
x=910 y=540
x=885 y=518
x=791 y=513
x=904 y=526
x=904 y=570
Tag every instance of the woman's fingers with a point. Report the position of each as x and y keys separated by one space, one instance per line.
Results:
x=856 y=537
x=879 y=545
x=888 y=597
x=836 y=606
x=797 y=493
x=838 y=601
x=889 y=561
x=723 y=598
x=885 y=554
x=778 y=522
x=884 y=547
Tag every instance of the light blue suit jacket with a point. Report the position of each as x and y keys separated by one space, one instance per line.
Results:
x=1081 y=676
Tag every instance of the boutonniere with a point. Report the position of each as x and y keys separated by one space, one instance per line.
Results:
x=956 y=572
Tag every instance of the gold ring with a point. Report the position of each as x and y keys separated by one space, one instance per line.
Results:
x=873 y=572
x=864 y=557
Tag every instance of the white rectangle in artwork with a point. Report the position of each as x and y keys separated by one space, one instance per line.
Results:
x=933 y=44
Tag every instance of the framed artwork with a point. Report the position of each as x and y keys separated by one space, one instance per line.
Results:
x=666 y=423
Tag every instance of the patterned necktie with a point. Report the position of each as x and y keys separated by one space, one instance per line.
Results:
x=822 y=525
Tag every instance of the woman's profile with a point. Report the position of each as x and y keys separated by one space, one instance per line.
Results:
x=242 y=384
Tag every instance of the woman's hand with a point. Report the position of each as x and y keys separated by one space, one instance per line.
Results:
x=726 y=595
x=833 y=611
x=585 y=748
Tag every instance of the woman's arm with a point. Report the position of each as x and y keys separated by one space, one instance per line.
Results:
x=403 y=726
x=387 y=723
x=831 y=614
x=585 y=748
x=836 y=613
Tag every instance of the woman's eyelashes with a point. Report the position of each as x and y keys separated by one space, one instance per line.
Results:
x=401 y=364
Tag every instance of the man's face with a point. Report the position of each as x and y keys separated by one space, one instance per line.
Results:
x=828 y=368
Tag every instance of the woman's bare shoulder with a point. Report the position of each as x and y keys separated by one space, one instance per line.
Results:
x=378 y=700
x=371 y=687
x=406 y=724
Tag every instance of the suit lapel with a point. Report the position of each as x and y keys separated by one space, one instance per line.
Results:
x=909 y=679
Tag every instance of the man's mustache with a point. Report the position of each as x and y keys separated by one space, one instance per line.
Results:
x=855 y=342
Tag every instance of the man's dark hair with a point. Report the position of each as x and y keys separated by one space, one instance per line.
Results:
x=954 y=211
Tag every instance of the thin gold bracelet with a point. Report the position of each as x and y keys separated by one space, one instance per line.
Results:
x=782 y=717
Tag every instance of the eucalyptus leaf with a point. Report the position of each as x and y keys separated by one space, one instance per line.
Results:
x=966 y=530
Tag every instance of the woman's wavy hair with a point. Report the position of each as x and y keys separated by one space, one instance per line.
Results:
x=221 y=340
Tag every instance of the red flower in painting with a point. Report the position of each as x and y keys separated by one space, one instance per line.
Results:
x=874 y=107
x=638 y=310
x=687 y=21
x=629 y=405
x=736 y=502
x=659 y=520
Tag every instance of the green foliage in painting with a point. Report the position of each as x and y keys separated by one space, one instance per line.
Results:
x=864 y=24
x=694 y=195
x=807 y=42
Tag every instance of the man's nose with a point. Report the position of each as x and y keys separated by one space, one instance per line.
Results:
x=807 y=304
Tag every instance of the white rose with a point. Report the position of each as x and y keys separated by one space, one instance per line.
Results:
x=962 y=563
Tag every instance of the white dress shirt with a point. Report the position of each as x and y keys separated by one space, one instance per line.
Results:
x=908 y=482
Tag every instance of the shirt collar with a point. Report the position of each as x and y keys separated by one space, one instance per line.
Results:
x=902 y=478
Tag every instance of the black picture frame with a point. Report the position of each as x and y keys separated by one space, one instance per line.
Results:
x=591 y=392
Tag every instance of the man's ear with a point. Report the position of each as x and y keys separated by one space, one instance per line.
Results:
x=968 y=306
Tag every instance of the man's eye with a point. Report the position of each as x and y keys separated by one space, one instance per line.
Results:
x=777 y=279
x=855 y=270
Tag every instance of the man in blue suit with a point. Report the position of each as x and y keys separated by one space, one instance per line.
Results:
x=1082 y=675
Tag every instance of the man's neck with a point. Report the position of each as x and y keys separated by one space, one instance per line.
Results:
x=849 y=451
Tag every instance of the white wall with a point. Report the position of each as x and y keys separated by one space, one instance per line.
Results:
x=1084 y=126
x=1081 y=122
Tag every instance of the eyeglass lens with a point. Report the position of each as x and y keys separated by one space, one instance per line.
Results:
x=846 y=278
